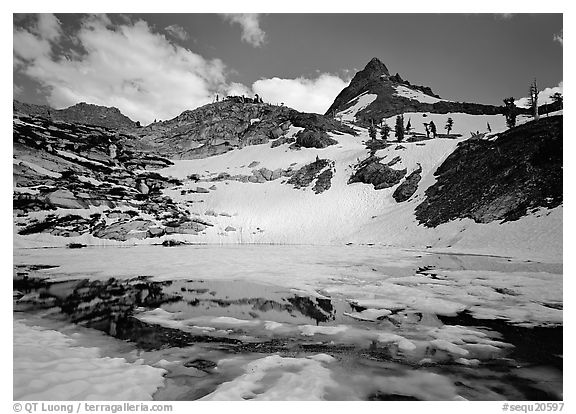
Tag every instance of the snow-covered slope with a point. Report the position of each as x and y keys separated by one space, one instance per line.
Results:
x=359 y=103
x=274 y=211
x=415 y=94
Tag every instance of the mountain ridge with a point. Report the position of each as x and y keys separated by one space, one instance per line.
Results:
x=390 y=97
x=80 y=113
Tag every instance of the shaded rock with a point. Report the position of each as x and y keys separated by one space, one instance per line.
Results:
x=310 y=172
x=381 y=176
x=200 y=190
x=323 y=182
x=172 y=243
x=499 y=180
x=155 y=231
x=229 y=228
x=408 y=187
x=253 y=164
x=314 y=139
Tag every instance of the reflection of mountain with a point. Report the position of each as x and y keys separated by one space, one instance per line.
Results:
x=321 y=311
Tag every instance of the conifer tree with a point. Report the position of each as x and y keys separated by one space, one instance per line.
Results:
x=511 y=112
x=372 y=131
x=533 y=99
x=399 y=128
x=433 y=129
x=385 y=132
x=449 y=125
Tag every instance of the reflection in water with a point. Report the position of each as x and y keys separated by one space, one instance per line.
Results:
x=208 y=330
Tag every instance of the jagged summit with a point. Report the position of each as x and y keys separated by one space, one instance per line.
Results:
x=375 y=68
x=374 y=94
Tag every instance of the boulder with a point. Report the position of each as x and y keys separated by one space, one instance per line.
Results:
x=381 y=176
x=200 y=190
x=229 y=228
x=64 y=199
x=408 y=187
x=155 y=231
x=142 y=187
x=266 y=173
x=314 y=139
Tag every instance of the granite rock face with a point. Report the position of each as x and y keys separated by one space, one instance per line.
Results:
x=498 y=180
x=222 y=126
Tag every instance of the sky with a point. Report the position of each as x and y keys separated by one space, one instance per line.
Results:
x=154 y=66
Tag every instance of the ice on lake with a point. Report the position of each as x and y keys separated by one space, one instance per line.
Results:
x=316 y=322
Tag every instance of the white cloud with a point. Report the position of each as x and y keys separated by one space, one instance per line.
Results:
x=544 y=97
x=48 y=26
x=143 y=73
x=559 y=37
x=128 y=66
x=238 y=89
x=307 y=95
x=36 y=42
x=250 y=23
x=177 y=31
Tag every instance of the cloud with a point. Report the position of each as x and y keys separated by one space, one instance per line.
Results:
x=36 y=42
x=250 y=23
x=127 y=66
x=559 y=37
x=307 y=95
x=177 y=32
x=238 y=89
x=544 y=97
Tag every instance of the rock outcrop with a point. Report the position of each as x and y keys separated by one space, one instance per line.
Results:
x=319 y=170
x=314 y=139
x=371 y=171
x=222 y=126
x=408 y=187
x=498 y=180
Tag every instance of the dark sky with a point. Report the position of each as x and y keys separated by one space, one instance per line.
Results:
x=468 y=57
x=474 y=57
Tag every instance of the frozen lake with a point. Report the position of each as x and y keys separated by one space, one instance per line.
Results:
x=290 y=322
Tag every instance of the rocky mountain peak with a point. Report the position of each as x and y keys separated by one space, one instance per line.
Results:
x=375 y=94
x=374 y=70
x=376 y=67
